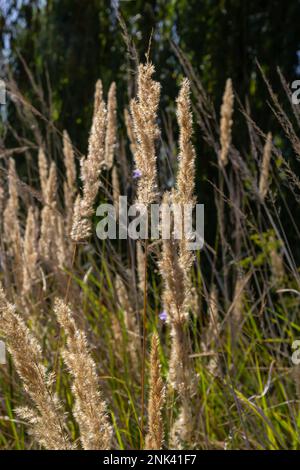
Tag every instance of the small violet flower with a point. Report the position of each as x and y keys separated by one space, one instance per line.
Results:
x=136 y=173
x=163 y=316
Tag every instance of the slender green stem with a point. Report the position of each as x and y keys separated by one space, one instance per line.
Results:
x=144 y=343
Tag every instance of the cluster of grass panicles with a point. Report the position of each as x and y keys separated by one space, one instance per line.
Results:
x=146 y=344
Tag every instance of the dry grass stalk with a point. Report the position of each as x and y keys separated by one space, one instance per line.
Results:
x=140 y=260
x=115 y=188
x=98 y=97
x=180 y=373
x=154 y=438
x=175 y=266
x=70 y=183
x=47 y=241
x=226 y=122
x=43 y=171
x=47 y=421
x=144 y=116
x=12 y=206
x=91 y=168
x=89 y=408
x=69 y=160
x=212 y=332
x=186 y=157
x=214 y=325
x=186 y=171
x=111 y=130
x=264 y=175
x=52 y=242
x=63 y=255
x=173 y=275
x=181 y=377
x=30 y=251
x=11 y=226
x=176 y=302
x=176 y=258
x=81 y=228
x=117 y=337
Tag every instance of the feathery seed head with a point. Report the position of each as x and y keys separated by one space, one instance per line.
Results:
x=144 y=116
x=111 y=130
x=264 y=175
x=43 y=170
x=89 y=408
x=91 y=168
x=226 y=122
x=47 y=420
x=155 y=435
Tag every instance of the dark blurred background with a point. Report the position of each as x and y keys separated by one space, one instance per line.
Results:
x=71 y=43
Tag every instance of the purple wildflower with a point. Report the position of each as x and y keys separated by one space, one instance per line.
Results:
x=136 y=173
x=163 y=316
